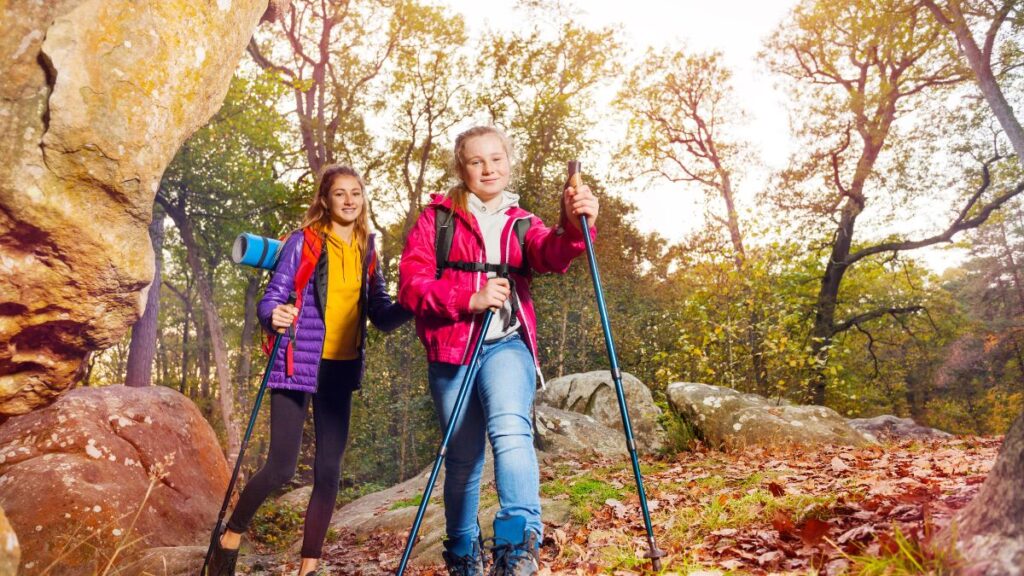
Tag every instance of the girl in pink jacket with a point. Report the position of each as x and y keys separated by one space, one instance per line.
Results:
x=487 y=269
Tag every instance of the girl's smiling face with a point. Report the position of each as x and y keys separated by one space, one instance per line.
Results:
x=345 y=199
x=485 y=166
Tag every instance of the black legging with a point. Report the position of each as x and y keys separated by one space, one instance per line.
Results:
x=332 y=407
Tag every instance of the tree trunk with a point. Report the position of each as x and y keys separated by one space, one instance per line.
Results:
x=979 y=58
x=186 y=322
x=989 y=530
x=162 y=361
x=185 y=330
x=226 y=394
x=249 y=324
x=828 y=294
x=1014 y=270
x=403 y=450
x=142 y=349
x=203 y=356
x=755 y=339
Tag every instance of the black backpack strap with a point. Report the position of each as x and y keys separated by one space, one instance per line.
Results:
x=444 y=231
x=520 y=228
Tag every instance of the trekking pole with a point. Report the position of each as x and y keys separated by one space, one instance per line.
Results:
x=467 y=384
x=245 y=441
x=653 y=552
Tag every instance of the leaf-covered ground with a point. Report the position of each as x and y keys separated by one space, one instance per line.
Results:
x=831 y=510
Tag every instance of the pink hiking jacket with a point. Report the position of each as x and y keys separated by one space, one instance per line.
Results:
x=444 y=322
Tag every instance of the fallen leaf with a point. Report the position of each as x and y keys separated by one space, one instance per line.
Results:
x=770 y=557
x=856 y=533
x=782 y=522
x=813 y=531
x=838 y=466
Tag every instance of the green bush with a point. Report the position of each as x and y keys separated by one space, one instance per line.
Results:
x=680 y=436
x=276 y=526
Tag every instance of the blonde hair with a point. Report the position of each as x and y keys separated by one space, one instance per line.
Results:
x=458 y=192
x=319 y=214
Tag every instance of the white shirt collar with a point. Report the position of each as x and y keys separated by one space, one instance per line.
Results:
x=476 y=205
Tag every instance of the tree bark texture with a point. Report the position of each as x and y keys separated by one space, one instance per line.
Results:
x=249 y=324
x=989 y=530
x=142 y=349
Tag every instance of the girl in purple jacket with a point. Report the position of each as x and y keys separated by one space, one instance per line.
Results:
x=330 y=264
x=447 y=302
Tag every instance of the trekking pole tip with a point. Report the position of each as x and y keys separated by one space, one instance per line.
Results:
x=655 y=555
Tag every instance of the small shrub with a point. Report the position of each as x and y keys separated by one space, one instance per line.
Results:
x=680 y=436
x=276 y=526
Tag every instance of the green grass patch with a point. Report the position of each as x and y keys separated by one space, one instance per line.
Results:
x=585 y=493
x=622 y=557
x=407 y=502
x=905 y=556
x=739 y=511
x=711 y=482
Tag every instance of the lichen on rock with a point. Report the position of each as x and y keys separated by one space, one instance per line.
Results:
x=100 y=95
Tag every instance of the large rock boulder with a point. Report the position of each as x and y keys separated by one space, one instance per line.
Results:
x=10 y=550
x=593 y=394
x=565 y=433
x=188 y=561
x=96 y=98
x=726 y=418
x=108 y=466
x=889 y=427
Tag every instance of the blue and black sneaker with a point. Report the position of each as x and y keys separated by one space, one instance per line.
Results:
x=464 y=560
x=516 y=550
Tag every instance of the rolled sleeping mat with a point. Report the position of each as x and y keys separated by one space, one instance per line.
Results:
x=255 y=251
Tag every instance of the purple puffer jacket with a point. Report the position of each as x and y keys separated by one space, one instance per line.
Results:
x=374 y=303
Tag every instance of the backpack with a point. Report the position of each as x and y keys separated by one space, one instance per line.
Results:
x=444 y=232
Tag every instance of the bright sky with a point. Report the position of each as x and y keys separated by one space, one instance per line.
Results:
x=736 y=28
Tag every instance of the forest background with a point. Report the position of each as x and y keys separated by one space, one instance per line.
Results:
x=805 y=282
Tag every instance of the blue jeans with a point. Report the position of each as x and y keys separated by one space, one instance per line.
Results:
x=500 y=403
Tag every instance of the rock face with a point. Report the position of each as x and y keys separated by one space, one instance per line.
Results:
x=731 y=419
x=188 y=561
x=81 y=468
x=96 y=98
x=10 y=551
x=562 y=432
x=394 y=510
x=593 y=394
x=891 y=427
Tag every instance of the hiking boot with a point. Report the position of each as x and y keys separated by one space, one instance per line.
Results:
x=320 y=570
x=222 y=560
x=516 y=550
x=471 y=564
